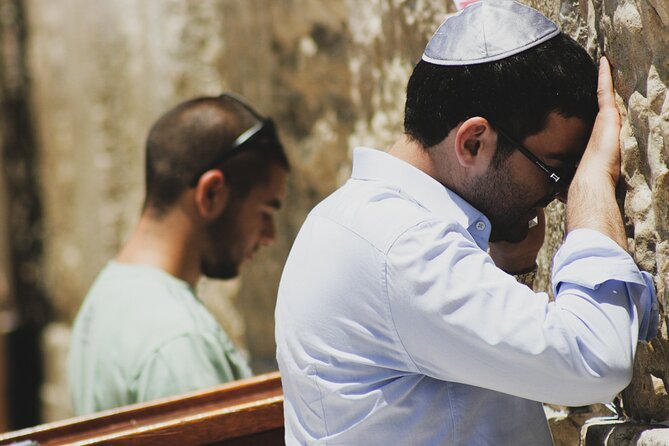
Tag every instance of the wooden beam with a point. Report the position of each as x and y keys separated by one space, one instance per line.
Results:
x=239 y=413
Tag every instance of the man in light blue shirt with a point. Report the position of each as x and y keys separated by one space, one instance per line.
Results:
x=399 y=320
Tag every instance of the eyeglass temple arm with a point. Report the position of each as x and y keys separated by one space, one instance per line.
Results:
x=553 y=176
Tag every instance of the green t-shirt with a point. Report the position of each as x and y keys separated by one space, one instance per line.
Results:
x=142 y=334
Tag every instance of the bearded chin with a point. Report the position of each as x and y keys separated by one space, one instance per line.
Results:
x=218 y=260
x=508 y=233
x=220 y=270
x=505 y=236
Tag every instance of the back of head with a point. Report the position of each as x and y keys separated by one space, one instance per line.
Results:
x=202 y=134
x=514 y=83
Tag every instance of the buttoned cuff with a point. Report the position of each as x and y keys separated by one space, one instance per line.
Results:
x=588 y=258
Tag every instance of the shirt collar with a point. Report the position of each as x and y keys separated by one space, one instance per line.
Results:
x=373 y=164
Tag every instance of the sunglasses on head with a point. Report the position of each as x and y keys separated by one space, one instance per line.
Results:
x=263 y=132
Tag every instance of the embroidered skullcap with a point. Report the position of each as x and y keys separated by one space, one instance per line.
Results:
x=487 y=31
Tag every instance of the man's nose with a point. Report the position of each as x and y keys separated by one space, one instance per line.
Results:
x=562 y=196
x=546 y=201
x=559 y=193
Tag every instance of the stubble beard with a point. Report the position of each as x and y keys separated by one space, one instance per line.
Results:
x=503 y=201
x=218 y=260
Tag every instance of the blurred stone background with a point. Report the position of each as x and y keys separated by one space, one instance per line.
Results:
x=81 y=82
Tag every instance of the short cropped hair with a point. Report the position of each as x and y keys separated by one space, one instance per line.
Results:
x=516 y=93
x=189 y=139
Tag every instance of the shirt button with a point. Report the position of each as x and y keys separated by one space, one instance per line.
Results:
x=480 y=225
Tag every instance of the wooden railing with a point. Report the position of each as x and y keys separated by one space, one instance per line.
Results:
x=246 y=412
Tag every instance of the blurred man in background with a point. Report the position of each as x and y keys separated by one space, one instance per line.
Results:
x=215 y=177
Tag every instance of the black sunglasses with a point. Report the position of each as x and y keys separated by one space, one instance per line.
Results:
x=263 y=132
x=561 y=180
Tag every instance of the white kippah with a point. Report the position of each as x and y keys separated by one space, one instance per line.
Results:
x=486 y=31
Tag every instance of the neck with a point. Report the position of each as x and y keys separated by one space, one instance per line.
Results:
x=413 y=153
x=166 y=243
x=433 y=161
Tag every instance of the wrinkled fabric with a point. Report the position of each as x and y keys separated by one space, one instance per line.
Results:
x=142 y=334
x=394 y=326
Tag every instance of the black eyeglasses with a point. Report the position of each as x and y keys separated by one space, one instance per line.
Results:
x=263 y=132
x=561 y=180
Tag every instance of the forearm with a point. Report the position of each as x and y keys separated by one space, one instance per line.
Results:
x=592 y=204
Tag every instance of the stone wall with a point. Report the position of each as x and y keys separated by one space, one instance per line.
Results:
x=634 y=35
x=333 y=74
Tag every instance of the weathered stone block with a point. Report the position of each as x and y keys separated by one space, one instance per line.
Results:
x=607 y=432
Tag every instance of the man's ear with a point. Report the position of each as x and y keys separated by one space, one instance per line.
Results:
x=211 y=194
x=474 y=143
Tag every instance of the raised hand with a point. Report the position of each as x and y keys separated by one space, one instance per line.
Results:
x=602 y=154
x=522 y=256
x=592 y=203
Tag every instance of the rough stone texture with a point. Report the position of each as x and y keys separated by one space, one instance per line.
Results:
x=608 y=432
x=634 y=36
x=333 y=76
x=566 y=423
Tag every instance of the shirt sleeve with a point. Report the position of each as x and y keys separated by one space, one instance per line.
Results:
x=588 y=259
x=462 y=319
x=186 y=363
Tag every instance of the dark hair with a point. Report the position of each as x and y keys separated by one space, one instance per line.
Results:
x=190 y=138
x=516 y=93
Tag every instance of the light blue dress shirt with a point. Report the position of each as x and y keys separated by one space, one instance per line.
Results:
x=395 y=327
